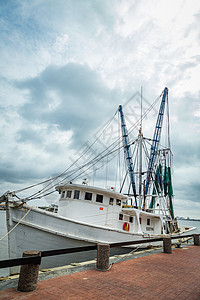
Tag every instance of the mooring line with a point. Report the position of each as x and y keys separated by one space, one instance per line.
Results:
x=15 y=225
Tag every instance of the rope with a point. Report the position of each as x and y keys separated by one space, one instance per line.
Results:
x=120 y=258
x=15 y=225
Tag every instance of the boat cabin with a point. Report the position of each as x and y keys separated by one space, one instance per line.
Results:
x=105 y=207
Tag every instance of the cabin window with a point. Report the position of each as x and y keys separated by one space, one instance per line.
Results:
x=88 y=196
x=148 y=221
x=140 y=220
x=118 y=202
x=99 y=198
x=63 y=194
x=69 y=194
x=111 y=201
x=76 y=194
x=131 y=219
x=120 y=217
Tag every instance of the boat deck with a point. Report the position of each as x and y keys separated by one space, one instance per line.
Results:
x=156 y=276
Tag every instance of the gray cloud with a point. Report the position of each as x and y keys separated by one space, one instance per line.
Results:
x=73 y=96
x=29 y=135
x=45 y=98
x=189 y=192
x=14 y=174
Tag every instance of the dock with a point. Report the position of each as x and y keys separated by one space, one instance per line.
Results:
x=156 y=276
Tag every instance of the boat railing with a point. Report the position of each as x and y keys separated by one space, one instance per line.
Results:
x=111 y=215
x=110 y=219
x=99 y=215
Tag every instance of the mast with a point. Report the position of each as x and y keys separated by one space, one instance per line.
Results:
x=127 y=152
x=156 y=140
x=140 y=137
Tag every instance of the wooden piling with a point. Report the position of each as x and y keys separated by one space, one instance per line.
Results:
x=103 y=255
x=28 y=274
x=167 y=246
x=196 y=240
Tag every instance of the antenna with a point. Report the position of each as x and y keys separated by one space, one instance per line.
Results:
x=141 y=110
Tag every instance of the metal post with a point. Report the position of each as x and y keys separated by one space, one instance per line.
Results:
x=196 y=240
x=103 y=254
x=167 y=246
x=28 y=274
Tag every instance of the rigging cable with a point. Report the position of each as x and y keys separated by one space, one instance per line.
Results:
x=96 y=159
x=64 y=172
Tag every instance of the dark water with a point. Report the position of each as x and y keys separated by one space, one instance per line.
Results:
x=4 y=242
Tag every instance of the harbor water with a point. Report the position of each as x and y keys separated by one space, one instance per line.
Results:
x=4 y=242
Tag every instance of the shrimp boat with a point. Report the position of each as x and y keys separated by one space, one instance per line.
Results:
x=88 y=214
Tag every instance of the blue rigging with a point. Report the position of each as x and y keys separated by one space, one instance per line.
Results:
x=156 y=140
x=127 y=152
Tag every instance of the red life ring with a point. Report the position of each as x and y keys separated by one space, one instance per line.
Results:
x=126 y=226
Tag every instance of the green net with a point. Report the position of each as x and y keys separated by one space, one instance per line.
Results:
x=160 y=184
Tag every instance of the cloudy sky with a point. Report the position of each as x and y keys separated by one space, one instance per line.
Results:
x=65 y=66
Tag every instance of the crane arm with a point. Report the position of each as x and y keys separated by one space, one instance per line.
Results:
x=127 y=152
x=156 y=140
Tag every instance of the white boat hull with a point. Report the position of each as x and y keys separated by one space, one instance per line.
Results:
x=41 y=230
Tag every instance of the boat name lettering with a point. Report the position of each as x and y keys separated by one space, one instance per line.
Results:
x=149 y=228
